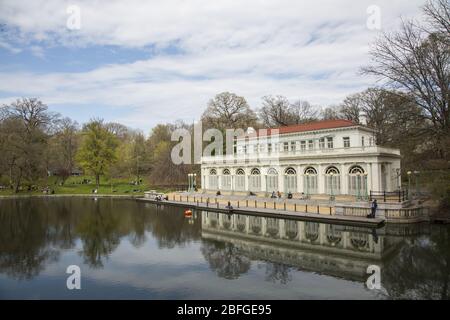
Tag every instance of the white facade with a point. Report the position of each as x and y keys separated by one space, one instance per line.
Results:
x=329 y=160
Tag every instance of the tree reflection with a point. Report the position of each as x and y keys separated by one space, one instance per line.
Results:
x=421 y=270
x=225 y=259
x=24 y=238
x=34 y=231
x=169 y=226
x=99 y=234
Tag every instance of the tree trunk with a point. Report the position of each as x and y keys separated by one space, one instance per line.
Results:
x=16 y=188
x=97 y=181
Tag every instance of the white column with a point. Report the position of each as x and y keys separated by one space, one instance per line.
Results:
x=246 y=185
x=263 y=181
x=300 y=187
x=205 y=180
x=389 y=176
x=281 y=179
x=369 y=177
x=320 y=180
x=344 y=178
x=376 y=181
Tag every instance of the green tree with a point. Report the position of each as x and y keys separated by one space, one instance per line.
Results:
x=97 y=151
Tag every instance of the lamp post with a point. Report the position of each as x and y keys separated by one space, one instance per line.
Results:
x=189 y=181
x=409 y=184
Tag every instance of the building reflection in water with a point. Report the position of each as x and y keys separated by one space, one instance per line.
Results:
x=336 y=250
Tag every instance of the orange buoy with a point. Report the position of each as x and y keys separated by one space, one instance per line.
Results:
x=188 y=213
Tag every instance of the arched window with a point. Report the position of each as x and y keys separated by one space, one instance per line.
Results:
x=272 y=180
x=255 y=180
x=332 y=181
x=310 y=170
x=332 y=170
x=239 y=180
x=226 y=179
x=290 y=171
x=290 y=180
x=213 y=179
x=357 y=181
x=310 y=181
x=356 y=170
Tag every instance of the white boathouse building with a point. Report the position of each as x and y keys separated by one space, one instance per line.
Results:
x=330 y=157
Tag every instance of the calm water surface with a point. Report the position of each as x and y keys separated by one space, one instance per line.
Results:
x=134 y=250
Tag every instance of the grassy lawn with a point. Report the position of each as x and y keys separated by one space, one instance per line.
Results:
x=73 y=185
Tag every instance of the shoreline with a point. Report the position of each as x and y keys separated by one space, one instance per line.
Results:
x=71 y=195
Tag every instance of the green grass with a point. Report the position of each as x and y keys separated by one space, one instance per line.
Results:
x=119 y=186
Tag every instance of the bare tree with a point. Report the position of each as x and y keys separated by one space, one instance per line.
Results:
x=330 y=113
x=302 y=111
x=228 y=110
x=350 y=109
x=275 y=111
x=278 y=112
x=438 y=13
x=416 y=60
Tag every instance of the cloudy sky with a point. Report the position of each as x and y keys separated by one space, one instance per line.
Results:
x=146 y=62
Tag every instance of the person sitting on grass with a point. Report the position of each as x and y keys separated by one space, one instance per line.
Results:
x=289 y=195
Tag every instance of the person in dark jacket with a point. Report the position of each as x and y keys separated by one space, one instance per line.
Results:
x=373 y=209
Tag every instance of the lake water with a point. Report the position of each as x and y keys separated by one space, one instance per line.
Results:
x=128 y=249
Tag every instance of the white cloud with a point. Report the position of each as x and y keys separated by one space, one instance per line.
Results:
x=310 y=50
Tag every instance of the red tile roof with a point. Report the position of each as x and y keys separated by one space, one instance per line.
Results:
x=312 y=126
